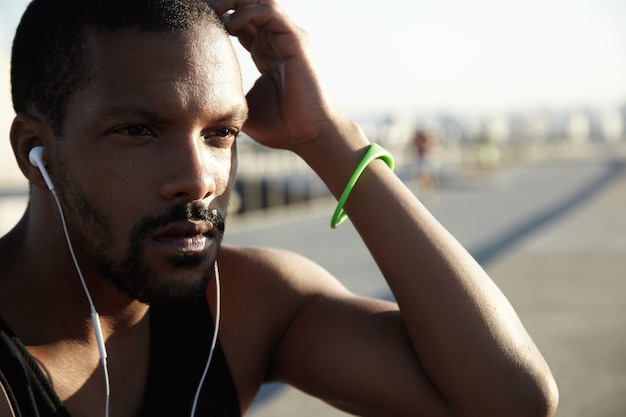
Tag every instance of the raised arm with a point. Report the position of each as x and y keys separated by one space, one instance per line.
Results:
x=468 y=353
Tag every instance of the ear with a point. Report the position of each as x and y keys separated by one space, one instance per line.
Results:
x=28 y=131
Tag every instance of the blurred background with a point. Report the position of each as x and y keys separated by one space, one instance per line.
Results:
x=507 y=118
x=485 y=79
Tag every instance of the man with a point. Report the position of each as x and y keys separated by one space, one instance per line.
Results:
x=423 y=170
x=137 y=106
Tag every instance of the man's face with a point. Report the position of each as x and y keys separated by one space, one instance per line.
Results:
x=147 y=158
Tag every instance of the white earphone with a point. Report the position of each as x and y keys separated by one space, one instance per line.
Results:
x=35 y=156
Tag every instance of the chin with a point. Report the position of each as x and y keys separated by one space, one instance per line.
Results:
x=181 y=279
x=181 y=287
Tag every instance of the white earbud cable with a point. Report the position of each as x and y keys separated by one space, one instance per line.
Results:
x=213 y=342
x=95 y=318
x=98 y=329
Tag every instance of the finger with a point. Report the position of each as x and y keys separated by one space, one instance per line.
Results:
x=246 y=36
x=267 y=15
x=223 y=6
x=237 y=14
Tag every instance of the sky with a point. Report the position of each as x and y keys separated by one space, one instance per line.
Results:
x=455 y=55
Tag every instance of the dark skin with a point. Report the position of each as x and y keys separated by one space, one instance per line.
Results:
x=152 y=129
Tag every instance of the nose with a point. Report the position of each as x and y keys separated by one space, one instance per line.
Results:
x=189 y=172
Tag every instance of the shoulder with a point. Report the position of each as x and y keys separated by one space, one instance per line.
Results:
x=269 y=286
x=276 y=269
x=287 y=319
x=5 y=404
x=263 y=291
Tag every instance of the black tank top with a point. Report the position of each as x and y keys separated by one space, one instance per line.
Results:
x=180 y=344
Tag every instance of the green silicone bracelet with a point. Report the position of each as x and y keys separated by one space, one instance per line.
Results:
x=375 y=151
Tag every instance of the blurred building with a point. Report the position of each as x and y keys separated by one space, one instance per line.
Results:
x=579 y=126
x=612 y=127
x=10 y=175
x=13 y=185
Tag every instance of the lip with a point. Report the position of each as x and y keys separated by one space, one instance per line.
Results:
x=185 y=236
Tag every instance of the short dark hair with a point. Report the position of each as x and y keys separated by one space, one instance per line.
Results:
x=49 y=59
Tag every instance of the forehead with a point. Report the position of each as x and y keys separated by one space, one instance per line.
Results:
x=198 y=63
x=124 y=46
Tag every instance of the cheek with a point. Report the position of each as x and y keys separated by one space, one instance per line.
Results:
x=224 y=170
x=116 y=194
x=224 y=173
x=113 y=195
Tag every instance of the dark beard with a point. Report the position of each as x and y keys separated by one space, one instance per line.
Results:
x=90 y=232
x=132 y=277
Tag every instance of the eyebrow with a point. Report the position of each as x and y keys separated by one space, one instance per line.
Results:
x=238 y=112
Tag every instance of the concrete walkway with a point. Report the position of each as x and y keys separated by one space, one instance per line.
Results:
x=568 y=283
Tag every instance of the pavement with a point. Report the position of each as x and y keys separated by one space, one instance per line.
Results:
x=551 y=233
x=568 y=283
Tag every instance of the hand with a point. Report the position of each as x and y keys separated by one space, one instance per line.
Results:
x=288 y=104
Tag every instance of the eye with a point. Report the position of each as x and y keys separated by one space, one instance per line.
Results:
x=135 y=130
x=221 y=134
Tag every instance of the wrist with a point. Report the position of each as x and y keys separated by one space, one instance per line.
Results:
x=374 y=152
x=335 y=155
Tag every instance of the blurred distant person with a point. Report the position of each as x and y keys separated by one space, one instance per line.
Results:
x=424 y=169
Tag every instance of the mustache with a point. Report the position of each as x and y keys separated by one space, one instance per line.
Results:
x=179 y=213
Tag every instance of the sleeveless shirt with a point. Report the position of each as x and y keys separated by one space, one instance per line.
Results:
x=180 y=343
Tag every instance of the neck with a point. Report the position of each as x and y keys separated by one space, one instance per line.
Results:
x=37 y=269
x=42 y=300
